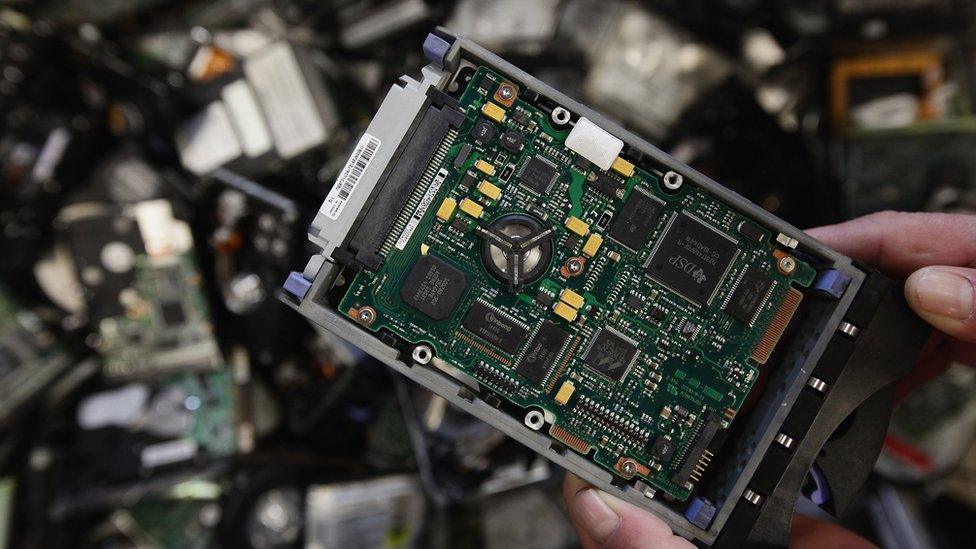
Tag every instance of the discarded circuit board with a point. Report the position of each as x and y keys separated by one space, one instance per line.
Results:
x=627 y=308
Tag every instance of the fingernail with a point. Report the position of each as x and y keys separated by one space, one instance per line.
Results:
x=594 y=515
x=942 y=292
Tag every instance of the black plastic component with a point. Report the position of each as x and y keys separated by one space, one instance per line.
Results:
x=853 y=413
x=634 y=222
x=702 y=442
x=542 y=352
x=433 y=287
x=387 y=199
x=495 y=327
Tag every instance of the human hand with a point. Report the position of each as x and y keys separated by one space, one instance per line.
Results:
x=606 y=522
x=937 y=252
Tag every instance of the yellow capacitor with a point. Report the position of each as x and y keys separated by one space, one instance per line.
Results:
x=565 y=393
x=446 y=209
x=490 y=190
x=592 y=245
x=484 y=167
x=565 y=311
x=472 y=208
x=577 y=225
x=493 y=111
x=622 y=167
x=572 y=298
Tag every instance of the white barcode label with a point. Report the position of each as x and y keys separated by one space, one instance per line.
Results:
x=361 y=156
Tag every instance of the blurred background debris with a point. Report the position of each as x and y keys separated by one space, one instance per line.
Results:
x=160 y=161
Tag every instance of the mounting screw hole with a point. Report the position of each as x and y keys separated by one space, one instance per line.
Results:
x=535 y=420
x=422 y=354
x=560 y=116
x=673 y=181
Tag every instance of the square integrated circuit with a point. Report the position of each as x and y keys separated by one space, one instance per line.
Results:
x=692 y=258
x=433 y=287
x=538 y=174
x=611 y=354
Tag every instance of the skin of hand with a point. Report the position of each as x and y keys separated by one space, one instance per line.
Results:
x=937 y=254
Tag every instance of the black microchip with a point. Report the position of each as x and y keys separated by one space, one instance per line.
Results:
x=520 y=116
x=468 y=180
x=663 y=449
x=749 y=295
x=572 y=241
x=538 y=174
x=611 y=354
x=460 y=223
x=692 y=258
x=172 y=313
x=636 y=220
x=506 y=173
x=486 y=82
x=607 y=185
x=544 y=299
x=581 y=163
x=433 y=287
x=483 y=131
x=462 y=156
x=752 y=231
x=657 y=315
x=542 y=352
x=512 y=140
x=495 y=327
x=634 y=301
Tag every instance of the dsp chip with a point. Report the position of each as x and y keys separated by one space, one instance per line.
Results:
x=749 y=295
x=433 y=287
x=692 y=258
x=542 y=352
x=636 y=220
x=538 y=174
x=611 y=354
x=495 y=327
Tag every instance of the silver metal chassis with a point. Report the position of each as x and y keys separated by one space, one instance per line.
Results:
x=390 y=124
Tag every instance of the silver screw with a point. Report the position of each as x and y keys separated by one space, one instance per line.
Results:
x=629 y=468
x=787 y=264
x=367 y=315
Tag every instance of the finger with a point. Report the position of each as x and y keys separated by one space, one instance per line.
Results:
x=571 y=485
x=810 y=533
x=611 y=523
x=946 y=298
x=901 y=242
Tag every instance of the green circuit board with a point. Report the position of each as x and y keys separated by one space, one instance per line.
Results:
x=166 y=328
x=640 y=315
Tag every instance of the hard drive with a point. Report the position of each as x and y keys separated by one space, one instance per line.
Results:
x=621 y=314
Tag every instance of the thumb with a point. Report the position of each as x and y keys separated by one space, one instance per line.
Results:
x=611 y=523
x=946 y=298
